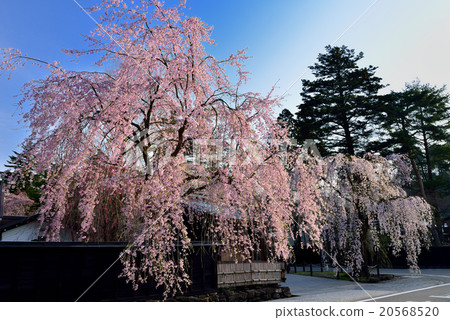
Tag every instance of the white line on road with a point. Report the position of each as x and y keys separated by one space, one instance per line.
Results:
x=406 y=292
x=441 y=297
x=419 y=275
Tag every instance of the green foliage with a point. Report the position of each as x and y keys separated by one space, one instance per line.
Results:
x=416 y=122
x=440 y=157
x=24 y=178
x=338 y=106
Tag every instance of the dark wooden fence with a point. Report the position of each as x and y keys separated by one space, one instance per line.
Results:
x=45 y=271
x=434 y=257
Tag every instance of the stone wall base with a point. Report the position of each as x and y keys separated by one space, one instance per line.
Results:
x=239 y=294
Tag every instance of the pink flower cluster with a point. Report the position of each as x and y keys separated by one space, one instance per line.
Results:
x=114 y=147
x=364 y=201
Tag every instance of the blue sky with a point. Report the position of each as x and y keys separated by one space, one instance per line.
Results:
x=406 y=39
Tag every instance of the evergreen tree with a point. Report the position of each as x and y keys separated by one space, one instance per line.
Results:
x=25 y=180
x=440 y=156
x=431 y=120
x=416 y=122
x=337 y=107
x=301 y=129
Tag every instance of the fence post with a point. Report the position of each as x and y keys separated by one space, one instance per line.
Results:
x=378 y=266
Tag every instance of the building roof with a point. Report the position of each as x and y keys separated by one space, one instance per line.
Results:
x=11 y=222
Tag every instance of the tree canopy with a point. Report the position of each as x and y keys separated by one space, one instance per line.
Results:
x=416 y=121
x=114 y=146
x=336 y=106
x=364 y=201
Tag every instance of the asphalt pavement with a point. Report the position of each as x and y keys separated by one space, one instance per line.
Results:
x=430 y=285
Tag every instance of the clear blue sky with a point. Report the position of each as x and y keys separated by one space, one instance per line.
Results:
x=406 y=39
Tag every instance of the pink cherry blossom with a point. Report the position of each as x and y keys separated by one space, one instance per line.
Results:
x=17 y=204
x=114 y=145
x=364 y=200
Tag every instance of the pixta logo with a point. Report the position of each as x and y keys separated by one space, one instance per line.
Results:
x=148 y=154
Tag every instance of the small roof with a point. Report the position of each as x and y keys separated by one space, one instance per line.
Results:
x=11 y=222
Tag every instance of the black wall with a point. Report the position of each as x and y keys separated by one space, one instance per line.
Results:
x=434 y=257
x=46 y=271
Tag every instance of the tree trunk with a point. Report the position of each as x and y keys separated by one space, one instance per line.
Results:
x=348 y=137
x=365 y=245
x=365 y=272
x=345 y=124
x=437 y=234
x=427 y=155
x=435 y=228
x=418 y=177
x=437 y=217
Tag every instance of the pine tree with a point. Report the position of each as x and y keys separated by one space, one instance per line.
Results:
x=337 y=107
x=416 y=122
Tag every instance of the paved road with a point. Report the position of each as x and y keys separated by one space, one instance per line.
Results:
x=430 y=285
x=440 y=292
